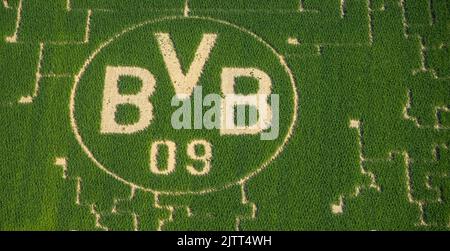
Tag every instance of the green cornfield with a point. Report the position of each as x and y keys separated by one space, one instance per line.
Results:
x=125 y=115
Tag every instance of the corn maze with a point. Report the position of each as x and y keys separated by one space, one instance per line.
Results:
x=90 y=90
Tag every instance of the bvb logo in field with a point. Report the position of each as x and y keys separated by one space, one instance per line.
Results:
x=137 y=88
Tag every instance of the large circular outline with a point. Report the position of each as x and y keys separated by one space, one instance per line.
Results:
x=203 y=191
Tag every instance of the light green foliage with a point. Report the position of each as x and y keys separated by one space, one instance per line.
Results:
x=214 y=211
x=384 y=63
